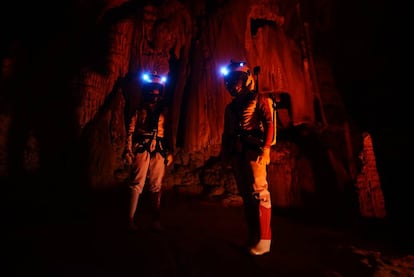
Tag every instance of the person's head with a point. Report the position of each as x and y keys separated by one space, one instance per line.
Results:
x=153 y=86
x=237 y=78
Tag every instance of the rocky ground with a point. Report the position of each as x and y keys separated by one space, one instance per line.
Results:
x=201 y=238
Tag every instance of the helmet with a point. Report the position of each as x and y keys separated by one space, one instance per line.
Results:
x=237 y=77
x=153 y=86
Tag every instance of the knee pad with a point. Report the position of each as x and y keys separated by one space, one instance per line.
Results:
x=264 y=197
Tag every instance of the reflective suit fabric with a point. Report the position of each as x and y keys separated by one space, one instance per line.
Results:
x=146 y=140
x=151 y=166
x=146 y=133
x=248 y=128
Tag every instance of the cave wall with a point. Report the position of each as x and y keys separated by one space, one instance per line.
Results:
x=93 y=65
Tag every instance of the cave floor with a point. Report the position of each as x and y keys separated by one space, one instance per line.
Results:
x=201 y=238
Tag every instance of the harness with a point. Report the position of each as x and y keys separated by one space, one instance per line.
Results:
x=150 y=141
x=143 y=143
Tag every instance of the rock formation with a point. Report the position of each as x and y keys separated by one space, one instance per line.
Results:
x=65 y=95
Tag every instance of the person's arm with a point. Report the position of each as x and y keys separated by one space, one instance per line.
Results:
x=168 y=147
x=128 y=154
x=265 y=107
x=130 y=131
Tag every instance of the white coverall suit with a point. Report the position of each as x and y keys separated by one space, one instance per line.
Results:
x=247 y=135
x=146 y=141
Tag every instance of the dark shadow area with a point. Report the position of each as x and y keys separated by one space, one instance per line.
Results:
x=201 y=238
x=367 y=53
x=331 y=203
x=44 y=181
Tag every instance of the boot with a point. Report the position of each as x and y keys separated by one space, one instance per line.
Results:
x=132 y=208
x=156 y=211
x=263 y=246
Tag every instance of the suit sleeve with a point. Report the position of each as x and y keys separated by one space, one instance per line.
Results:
x=168 y=134
x=130 y=130
x=265 y=105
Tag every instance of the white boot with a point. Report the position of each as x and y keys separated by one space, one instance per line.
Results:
x=262 y=247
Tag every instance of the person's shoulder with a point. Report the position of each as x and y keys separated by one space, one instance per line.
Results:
x=263 y=95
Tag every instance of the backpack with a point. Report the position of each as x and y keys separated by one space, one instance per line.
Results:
x=272 y=97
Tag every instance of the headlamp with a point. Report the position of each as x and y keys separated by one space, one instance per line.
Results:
x=154 y=78
x=234 y=66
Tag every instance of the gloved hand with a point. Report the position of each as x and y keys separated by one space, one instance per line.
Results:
x=128 y=156
x=169 y=160
x=264 y=158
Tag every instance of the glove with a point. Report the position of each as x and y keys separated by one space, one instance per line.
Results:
x=169 y=160
x=264 y=158
x=153 y=145
x=128 y=156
